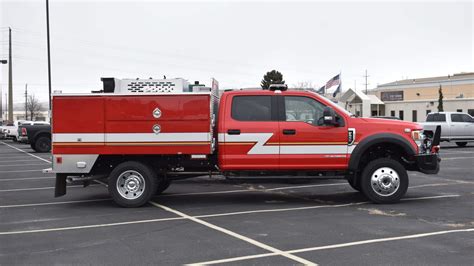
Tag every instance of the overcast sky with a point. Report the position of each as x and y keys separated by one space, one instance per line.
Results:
x=235 y=42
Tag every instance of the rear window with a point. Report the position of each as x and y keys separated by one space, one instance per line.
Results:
x=436 y=118
x=252 y=108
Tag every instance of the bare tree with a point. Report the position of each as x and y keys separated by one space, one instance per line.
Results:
x=34 y=106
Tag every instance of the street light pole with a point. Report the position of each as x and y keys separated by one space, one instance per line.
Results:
x=1 y=93
x=49 y=58
x=10 y=78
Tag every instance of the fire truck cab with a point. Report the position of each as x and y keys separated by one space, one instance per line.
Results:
x=139 y=135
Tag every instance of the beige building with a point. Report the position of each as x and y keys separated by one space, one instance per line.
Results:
x=413 y=99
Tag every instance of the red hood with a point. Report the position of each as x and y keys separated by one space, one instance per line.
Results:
x=392 y=123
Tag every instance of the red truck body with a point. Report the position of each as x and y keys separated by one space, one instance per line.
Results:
x=245 y=131
x=108 y=124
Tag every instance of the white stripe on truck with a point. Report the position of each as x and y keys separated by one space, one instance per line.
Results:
x=131 y=137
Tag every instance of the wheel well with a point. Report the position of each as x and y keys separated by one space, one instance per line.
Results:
x=42 y=134
x=381 y=150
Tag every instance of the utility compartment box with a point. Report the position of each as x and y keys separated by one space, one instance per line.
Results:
x=133 y=123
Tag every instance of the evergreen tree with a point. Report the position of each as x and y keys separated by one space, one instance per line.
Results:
x=272 y=77
x=440 y=99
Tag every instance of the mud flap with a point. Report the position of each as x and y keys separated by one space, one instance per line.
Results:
x=60 y=188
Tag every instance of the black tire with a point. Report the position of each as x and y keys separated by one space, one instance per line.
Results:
x=387 y=172
x=32 y=145
x=355 y=185
x=163 y=185
x=461 y=144
x=42 y=144
x=15 y=139
x=135 y=170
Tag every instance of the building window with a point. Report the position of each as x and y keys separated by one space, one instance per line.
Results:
x=400 y=114
x=392 y=113
x=459 y=110
x=428 y=111
x=470 y=112
x=388 y=96
x=414 y=115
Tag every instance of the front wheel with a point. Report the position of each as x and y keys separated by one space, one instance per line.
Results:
x=384 y=181
x=132 y=184
x=461 y=144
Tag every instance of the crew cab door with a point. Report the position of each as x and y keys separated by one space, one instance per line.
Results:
x=462 y=126
x=305 y=143
x=250 y=136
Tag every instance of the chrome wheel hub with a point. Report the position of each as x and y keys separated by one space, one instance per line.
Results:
x=385 y=181
x=130 y=184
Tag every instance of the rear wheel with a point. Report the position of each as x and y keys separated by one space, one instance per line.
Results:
x=384 y=181
x=42 y=144
x=132 y=184
x=461 y=144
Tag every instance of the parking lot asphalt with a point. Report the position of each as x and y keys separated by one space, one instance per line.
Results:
x=214 y=221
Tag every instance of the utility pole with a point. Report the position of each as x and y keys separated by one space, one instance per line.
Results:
x=26 y=102
x=10 y=78
x=366 y=83
x=49 y=58
x=1 y=104
x=6 y=106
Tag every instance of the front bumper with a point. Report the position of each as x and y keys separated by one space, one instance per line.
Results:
x=428 y=163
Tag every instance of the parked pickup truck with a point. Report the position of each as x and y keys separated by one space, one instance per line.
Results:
x=456 y=127
x=142 y=134
x=37 y=135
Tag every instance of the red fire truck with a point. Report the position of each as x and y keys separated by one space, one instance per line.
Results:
x=142 y=134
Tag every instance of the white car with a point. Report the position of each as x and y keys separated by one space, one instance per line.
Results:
x=11 y=130
x=455 y=126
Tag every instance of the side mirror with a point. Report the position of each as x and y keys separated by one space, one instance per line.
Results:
x=329 y=116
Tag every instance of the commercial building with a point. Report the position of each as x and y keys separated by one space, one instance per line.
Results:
x=413 y=99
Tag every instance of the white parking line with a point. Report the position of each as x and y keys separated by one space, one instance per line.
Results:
x=89 y=226
x=455 y=158
x=22 y=171
x=14 y=161
x=456 y=152
x=37 y=157
x=52 y=203
x=274 y=251
x=26 y=178
x=25 y=164
x=40 y=188
x=197 y=216
x=251 y=190
x=342 y=245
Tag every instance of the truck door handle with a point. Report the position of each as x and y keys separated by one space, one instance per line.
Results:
x=289 y=131
x=233 y=131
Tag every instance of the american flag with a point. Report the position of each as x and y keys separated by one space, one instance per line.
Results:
x=333 y=82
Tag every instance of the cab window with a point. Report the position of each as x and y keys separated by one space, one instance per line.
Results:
x=303 y=109
x=436 y=118
x=252 y=108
